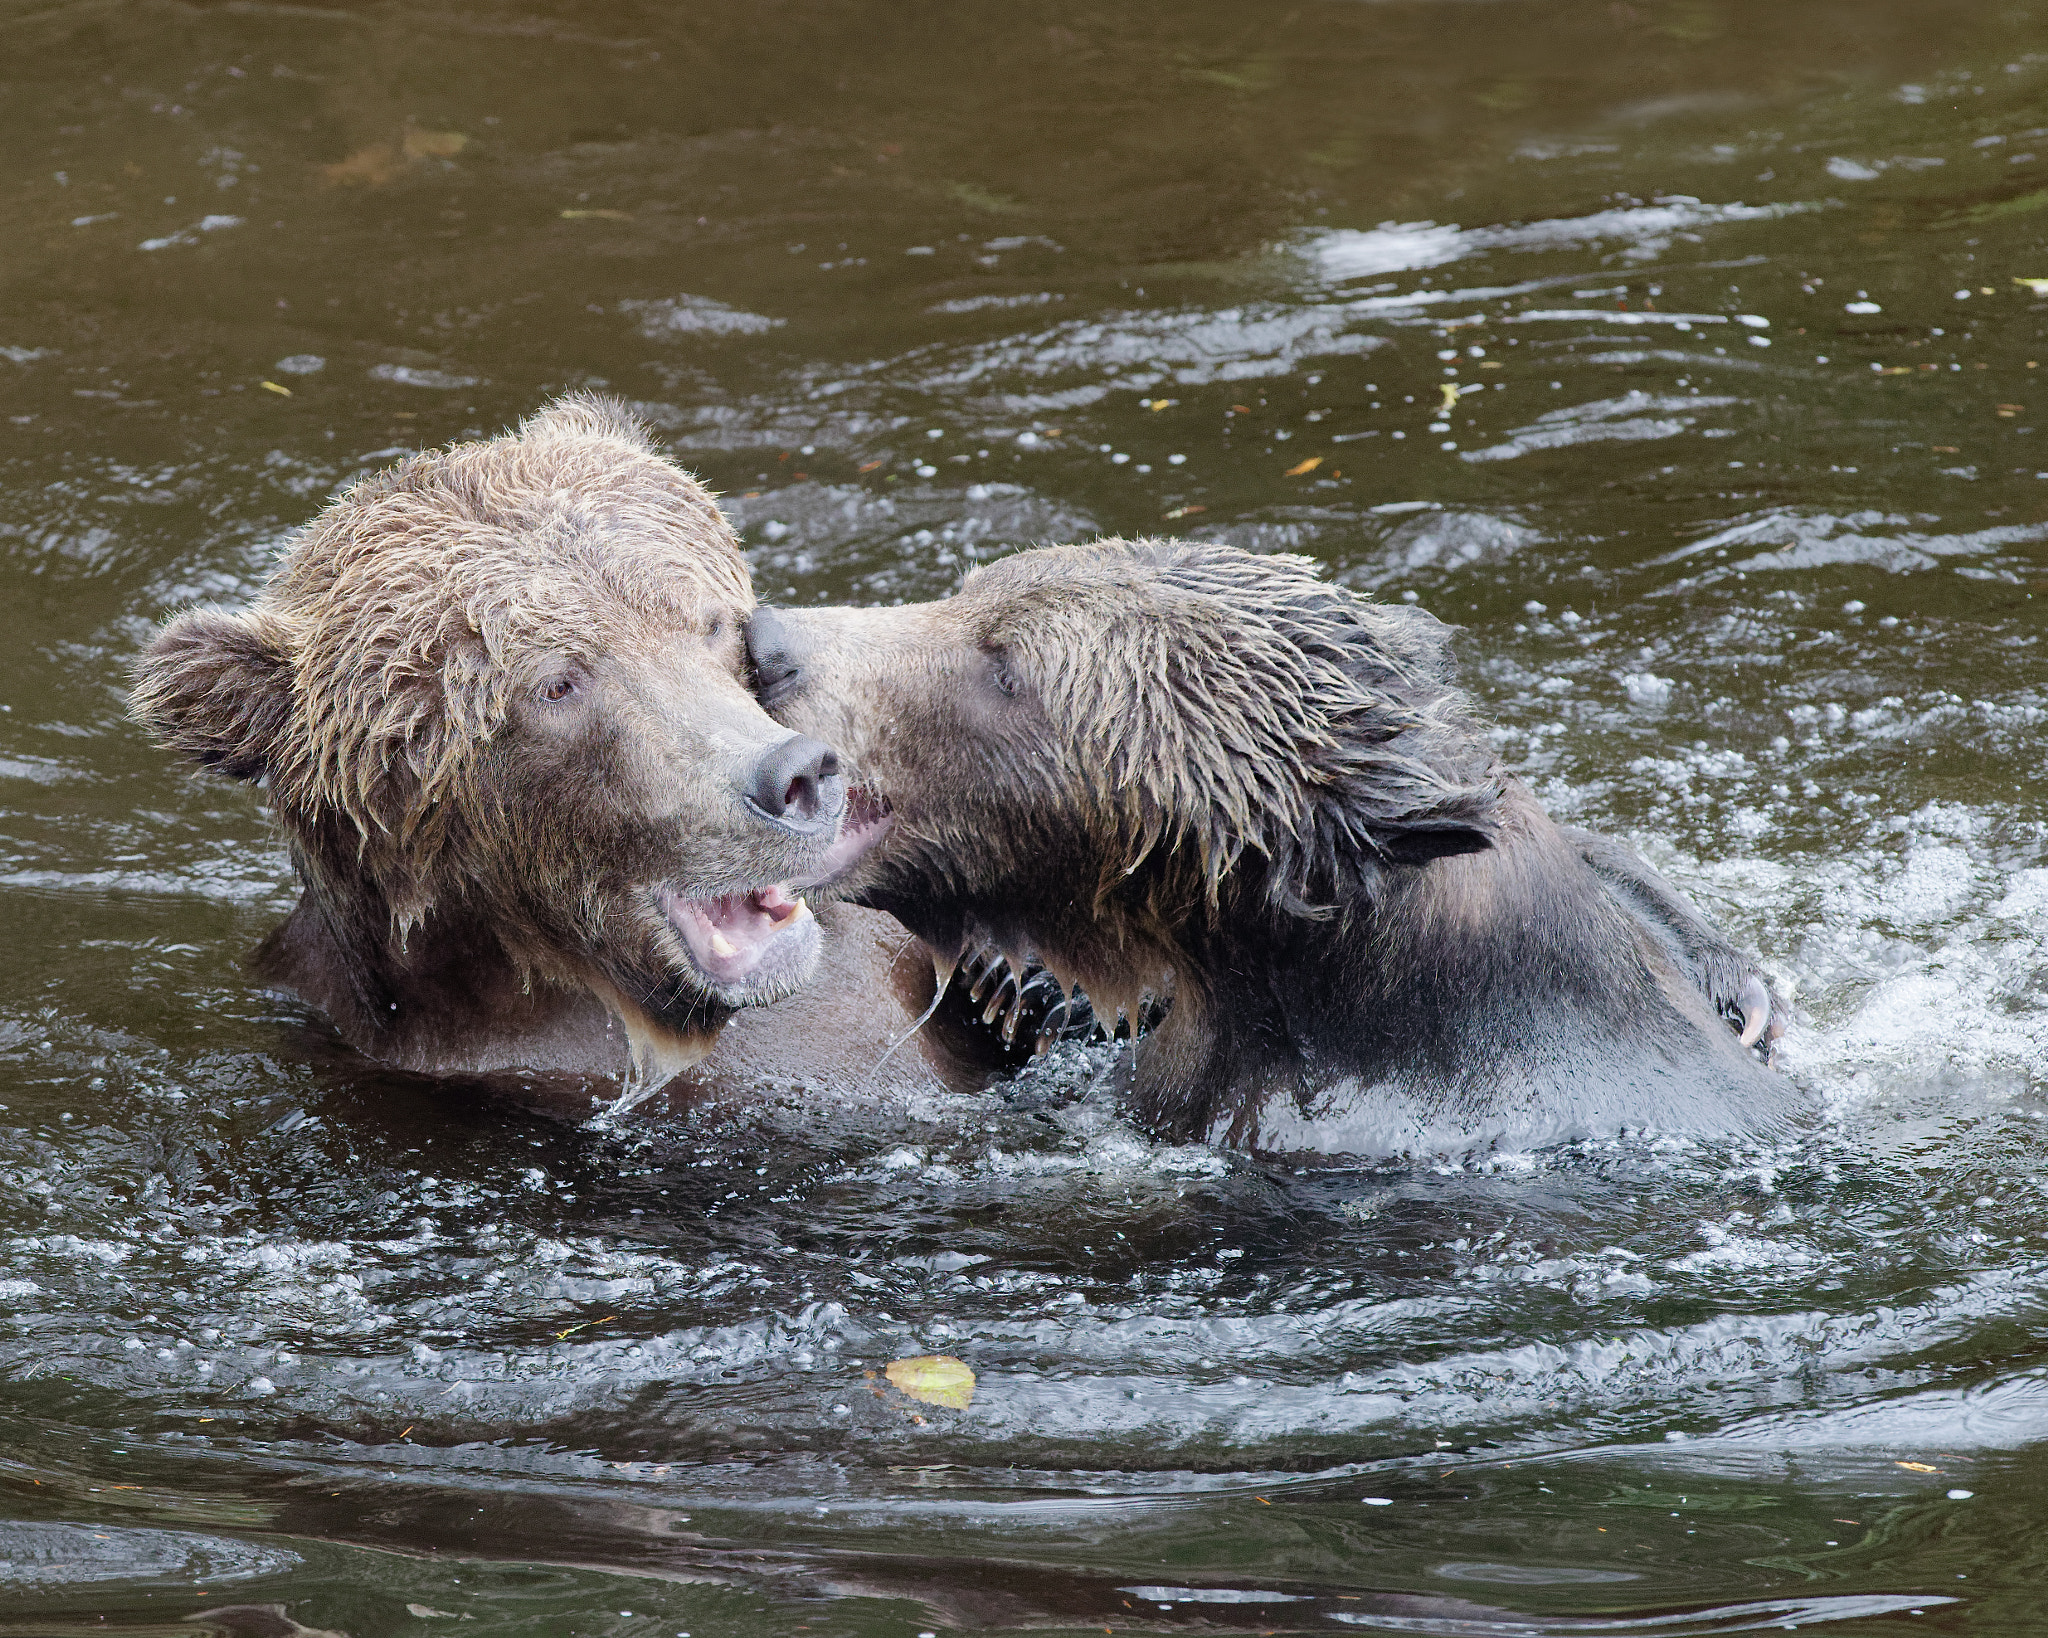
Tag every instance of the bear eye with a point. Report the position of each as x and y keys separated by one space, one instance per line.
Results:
x=557 y=689
x=1006 y=680
x=715 y=630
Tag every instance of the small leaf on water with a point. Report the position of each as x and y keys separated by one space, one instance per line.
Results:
x=603 y=215
x=1184 y=511
x=272 y=386
x=934 y=1379
x=1308 y=465
x=2038 y=286
x=1917 y=1467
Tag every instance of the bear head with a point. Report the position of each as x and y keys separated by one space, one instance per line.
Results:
x=496 y=695
x=1094 y=754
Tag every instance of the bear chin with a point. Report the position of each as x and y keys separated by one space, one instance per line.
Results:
x=743 y=949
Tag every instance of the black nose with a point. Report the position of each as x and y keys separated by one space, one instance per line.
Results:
x=772 y=650
x=798 y=783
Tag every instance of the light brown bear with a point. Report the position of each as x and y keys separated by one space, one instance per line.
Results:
x=1188 y=773
x=496 y=697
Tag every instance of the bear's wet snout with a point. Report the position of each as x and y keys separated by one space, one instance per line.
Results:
x=798 y=784
x=773 y=649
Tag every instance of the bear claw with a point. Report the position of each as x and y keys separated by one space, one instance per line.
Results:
x=1753 y=1001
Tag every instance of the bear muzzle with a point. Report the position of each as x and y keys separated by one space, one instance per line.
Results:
x=797 y=787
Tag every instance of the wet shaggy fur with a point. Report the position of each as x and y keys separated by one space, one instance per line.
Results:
x=1185 y=770
x=479 y=872
x=385 y=648
x=1210 y=714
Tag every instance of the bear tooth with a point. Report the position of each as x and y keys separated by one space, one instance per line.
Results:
x=721 y=945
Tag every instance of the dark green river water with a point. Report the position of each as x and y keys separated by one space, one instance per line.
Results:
x=1683 y=351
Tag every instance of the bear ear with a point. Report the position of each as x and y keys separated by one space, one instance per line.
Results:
x=1426 y=791
x=218 y=687
x=1437 y=840
x=590 y=415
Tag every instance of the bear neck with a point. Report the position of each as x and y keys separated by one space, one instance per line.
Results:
x=1433 y=974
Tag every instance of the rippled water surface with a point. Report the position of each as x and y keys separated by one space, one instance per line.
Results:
x=1683 y=351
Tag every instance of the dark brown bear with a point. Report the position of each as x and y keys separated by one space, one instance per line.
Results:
x=1183 y=771
x=495 y=697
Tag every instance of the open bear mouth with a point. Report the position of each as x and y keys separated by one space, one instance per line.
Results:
x=732 y=937
x=868 y=819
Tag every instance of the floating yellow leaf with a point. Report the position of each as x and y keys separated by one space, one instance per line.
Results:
x=434 y=144
x=1897 y=369
x=933 y=1379
x=272 y=386
x=1917 y=1467
x=1184 y=511
x=1452 y=393
x=2038 y=286
x=605 y=215
x=1308 y=465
